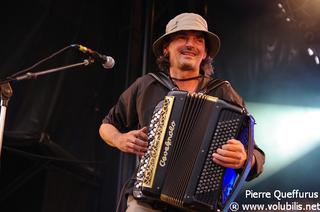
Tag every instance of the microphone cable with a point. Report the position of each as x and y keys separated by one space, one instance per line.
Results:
x=39 y=63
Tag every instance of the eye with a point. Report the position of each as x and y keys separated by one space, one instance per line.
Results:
x=200 y=40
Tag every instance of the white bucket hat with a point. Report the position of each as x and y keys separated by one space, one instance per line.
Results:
x=188 y=21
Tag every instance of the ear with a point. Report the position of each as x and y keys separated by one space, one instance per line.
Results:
x=165 y=49
x=165 y=52
x=205 y=54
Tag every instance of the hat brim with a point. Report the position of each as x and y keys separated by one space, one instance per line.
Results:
x=213 y=43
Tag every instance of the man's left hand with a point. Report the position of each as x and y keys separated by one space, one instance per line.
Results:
x=230 y=155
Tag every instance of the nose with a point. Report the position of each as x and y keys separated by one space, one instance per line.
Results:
x=189 y=42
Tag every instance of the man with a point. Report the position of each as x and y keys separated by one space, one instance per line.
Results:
x=184 y=53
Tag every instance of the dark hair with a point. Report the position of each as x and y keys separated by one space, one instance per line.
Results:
x=206 y=66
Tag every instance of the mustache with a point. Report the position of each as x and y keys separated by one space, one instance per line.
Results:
x=189 y=49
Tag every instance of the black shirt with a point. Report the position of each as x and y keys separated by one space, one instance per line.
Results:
x=136 y=104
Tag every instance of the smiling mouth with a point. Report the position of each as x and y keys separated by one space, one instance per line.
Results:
x=188 y=53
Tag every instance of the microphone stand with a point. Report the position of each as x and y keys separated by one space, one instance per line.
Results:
x=6 y=91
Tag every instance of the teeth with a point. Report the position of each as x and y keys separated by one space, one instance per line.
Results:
x=188 y=53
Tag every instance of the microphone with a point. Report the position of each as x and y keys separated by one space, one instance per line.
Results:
x=107 y=61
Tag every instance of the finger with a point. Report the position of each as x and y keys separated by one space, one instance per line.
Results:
x=140 y=154
x=227 y=153
x=144 y=129
x=143 y=134
x=226 y=164
x=234 y=141
x=225 y=159
x=134 y=151
x=233 y=147
x=139 y=150
x=141 y=143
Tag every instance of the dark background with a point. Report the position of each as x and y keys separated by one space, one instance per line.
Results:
x=53 y=158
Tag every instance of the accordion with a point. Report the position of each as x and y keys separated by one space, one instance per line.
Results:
x=184 y=132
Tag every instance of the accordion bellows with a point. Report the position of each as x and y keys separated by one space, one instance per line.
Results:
x=184 y=132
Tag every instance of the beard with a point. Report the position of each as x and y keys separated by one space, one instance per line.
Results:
x=185 y=64
x=186 y=67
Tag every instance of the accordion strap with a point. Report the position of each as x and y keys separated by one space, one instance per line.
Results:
x=164 y=80
x=214 y=84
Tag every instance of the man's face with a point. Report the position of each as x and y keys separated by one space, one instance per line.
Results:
x=186 y=50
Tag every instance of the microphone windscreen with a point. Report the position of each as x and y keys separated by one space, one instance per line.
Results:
x=109 y=62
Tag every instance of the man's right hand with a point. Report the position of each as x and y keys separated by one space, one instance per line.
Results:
x=135 y=141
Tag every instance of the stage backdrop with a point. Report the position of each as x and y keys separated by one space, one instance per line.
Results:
x=53 y=158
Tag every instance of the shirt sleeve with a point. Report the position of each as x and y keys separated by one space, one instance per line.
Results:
x=257 y=169
x=123 y=115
